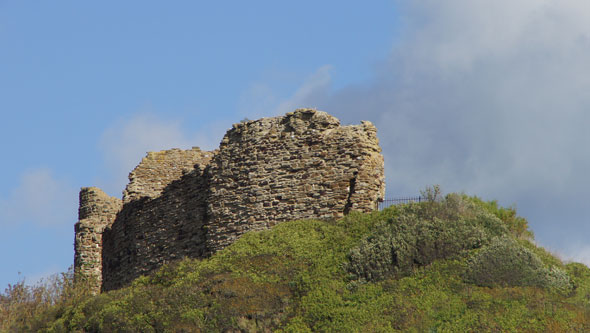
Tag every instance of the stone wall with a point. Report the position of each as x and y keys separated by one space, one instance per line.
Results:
x=97 y=211
x=161 y=220
x=158 y=169
x=303 y=165
x=190 y=203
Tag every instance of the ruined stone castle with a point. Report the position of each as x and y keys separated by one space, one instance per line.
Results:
x=192 y=203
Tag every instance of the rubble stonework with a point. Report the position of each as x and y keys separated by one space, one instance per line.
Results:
x=191 y=203
x=158 y=169
x=97 y=211
x=303 y=165
x=161 y=220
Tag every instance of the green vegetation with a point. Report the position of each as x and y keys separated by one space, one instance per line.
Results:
x=450 y=264
x=420 y=234
x=507 y=263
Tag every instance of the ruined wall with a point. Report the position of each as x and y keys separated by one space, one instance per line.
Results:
x=162 y=218
x=191 y=203
x=158 y=169
x=302 y=165
x=97 y=211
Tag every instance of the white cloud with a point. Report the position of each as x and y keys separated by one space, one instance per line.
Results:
x=489 y=97
x=491 y=93
x=127 y=141
x=260 y=99
x=316 y=87
x=41 y=199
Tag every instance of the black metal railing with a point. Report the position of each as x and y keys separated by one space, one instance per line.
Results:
x=398 y=201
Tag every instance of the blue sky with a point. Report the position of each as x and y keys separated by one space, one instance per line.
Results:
x=77 y=78
x=489 y=98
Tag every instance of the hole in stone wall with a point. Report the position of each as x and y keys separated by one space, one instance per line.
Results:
x=351 y=190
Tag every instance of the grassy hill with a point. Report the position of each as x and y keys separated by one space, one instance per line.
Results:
x=451 y=264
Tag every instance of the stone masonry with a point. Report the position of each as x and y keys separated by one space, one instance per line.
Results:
x=158 y=169
x=192 y=203
x=97 y=211
x=162 y=217
x=300 y=166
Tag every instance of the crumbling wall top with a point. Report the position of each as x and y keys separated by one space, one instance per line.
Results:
x=94 y=203
x=297 y=122
x=158 y=169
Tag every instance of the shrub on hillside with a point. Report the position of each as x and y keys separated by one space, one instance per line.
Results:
x=517 y=225
x=505 y=262
x=421 y=233
x=26 y=307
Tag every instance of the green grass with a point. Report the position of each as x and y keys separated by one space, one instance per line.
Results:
x=408 y=268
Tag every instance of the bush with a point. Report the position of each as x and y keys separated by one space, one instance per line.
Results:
x=505 y=262
x=27 y=307
x=517 y=225
x=420 y=234
x=291 y=279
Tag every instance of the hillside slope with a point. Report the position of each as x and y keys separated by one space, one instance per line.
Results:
x=450 y=264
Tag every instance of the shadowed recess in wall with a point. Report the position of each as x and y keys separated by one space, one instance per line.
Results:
x=151 y=232
x=351 y=190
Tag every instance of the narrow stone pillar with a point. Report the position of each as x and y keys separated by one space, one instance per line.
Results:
x=97 y=211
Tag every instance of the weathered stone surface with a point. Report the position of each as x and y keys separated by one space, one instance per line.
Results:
x=302 y=165
x=161 y=220
x=97 y=211
x=190 y=203
x=158 y=169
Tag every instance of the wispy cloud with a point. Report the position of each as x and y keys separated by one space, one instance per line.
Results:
x=261 y=100
x=40 y=199
x=316 y=87
x=127 y=141
x=486 y=97
x=482 y=103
